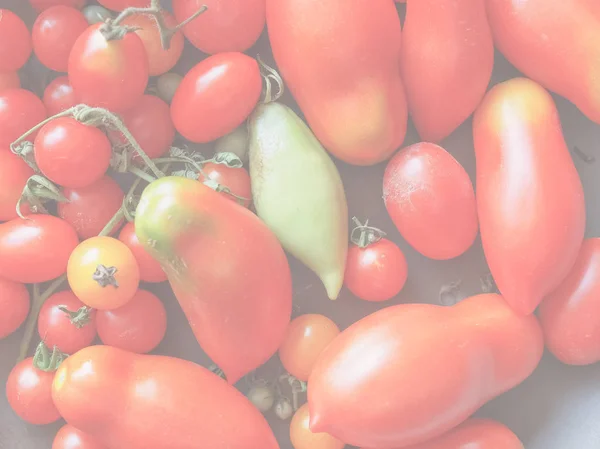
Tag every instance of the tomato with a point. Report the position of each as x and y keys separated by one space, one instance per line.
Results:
x=237 y=180
x=15 y=42
x=529 y=195
x=59 y=96
x=29 y=393
x=150 y=269
x=14 y=302
x=305 y=339
x=108 y=74
x=72 y=154
x=159 y=60
x=68 y=437
x=41 y=5
x=368 y=386
x=90 y=208
x=302 y=437
x=120 y=5
x=216 y=96
x=100 y=382
x=14 y=173
x=139 y=326
x=9 y=80
x=431 y=200
x=20 y=110
x=54 y=33
x=103 y=273
x=36 y=249
x=234 y=25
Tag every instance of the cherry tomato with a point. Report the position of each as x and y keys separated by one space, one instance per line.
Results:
x=150 y=269
x=36 y=249
x=103 y=273
x=9 y=80
x=302 y=437
x=139 y=326
x=59 y=96
x=216 y=96
x=109 y=74
x=159 y=60
x=14 y=303
x=41 y=5
x=305 y=339
x=15 y=41
x=29 y=393
x=72 y=154
x=90 y=208
x=20 y=110
x=54 y=33
x=237 y=180
x=69 y=437
x=14 y=173
x=120 y=5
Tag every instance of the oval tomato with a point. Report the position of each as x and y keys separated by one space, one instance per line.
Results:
x=216 y=96
x=120 y=5
x=237 y=180
x=14 y=173
x=14 y=303
x=59 y=96
x=20 y=110
x=41 y=5
x=15 y=42
x=68 y=437
x=36 y=249
x=302 y=437
x=150 y=269
x=9 y=80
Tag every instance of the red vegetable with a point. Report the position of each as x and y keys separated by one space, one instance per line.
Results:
x=41 y=5
x=68 y=437
x=20 y=110
x=59 y=96
x=9 y=80
x=15 y=41
x=120 y=5
x=150 y=269
x=14 y=173
x=14 y=303
x=237 y=180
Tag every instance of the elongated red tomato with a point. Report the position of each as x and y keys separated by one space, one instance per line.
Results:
x=14 y=302
x=20 y=110
x=9 y=80
x=529 y=196
x=367 y=387
x=41 y=5
x=216 y=96
x=14 y=173
x=59 y=96
x=68 y=437
x=430 y=198
x=15 y=41
x=100 y=382
x=150 y=269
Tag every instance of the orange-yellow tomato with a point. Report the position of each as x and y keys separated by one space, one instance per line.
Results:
x=305 y=339
x=302 y=438
x=103 y=273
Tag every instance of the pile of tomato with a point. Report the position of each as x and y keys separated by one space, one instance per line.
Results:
x=107 y=190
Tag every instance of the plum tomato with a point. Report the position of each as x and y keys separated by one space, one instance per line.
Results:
x=69 y=437
x=14 y=303
x=14 y=173
x=303 y=438
x=20 y=110
x=150 y=269
x=9 y=80
x=41 y=5
x=15 y=41
x=59 y=96
x=236 y=179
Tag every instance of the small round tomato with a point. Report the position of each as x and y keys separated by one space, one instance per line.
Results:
x=20 y=110
x=90 y=208
x=120 y=5
x=9 y=80
x=103 y=273
x=302 y=437
x=72 y=154
x=15 y=41
x=14 y=303
x=59 y=96
x=150 y=269
x=237 y=180
x=139 y=326
x=109 y=74
x=41 y=5
x=54 y=33
x=29 y=393
x=69 y=437
x=216 y=96
x=305 y=339
x=14 y=173
x=69 y=332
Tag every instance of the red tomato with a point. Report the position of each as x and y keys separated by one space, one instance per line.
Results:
x=14 y=173
x=108 y=74
x=56 y=328
x=41 y=5
x=20 y=110
x=72 y=154
x=59 y=96
x=237 y=180
x=139 y=326
x=301 y=436
x=29 y=393
x=431 y=200
x=15 y=41
x=99 y=383
x=305 y=339
x=216 y=96
x=90 y=208
x=150 y=269
x=36 y=249
x=120 y=5
x=529 y=195
x=14 y=303
x=68 y=437
x=54 y=33
x=234 y=25
x=9 y=80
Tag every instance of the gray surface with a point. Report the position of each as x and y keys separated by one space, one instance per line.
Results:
x=556 y=408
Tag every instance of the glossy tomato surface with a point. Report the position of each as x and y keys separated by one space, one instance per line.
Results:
x=14 y=302
x=59 y=95
x=15 y=41
x=14 y=173
x=150 y=269
x=20 y=110
x=9 y=80
x=69 y=437
x=41 y=5
x=234 y=180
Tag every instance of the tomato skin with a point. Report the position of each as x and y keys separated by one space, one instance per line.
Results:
x=108 y=74
x=59 y=96
x=213 y=413
x=36 y=249
x=234 y=25
x=150 y=269
x=9 y=80
x=301 y=436
x=236 y=179
x=29 y=393
x=54 y=33
x=395 y=356
x=68 y=437
x=41 y=5
x=356 y=109
x=20 y=110
x=14 y=173
x=216 y=96
x=431 y=200
x=120 y=5
x=15 y=41
x=532 y=222
x=227 y=269
x=14 y=302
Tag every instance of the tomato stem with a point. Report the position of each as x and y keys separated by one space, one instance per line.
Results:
x=270 y=75
x=78 y=318
x=37 y=188
x=141 y=174
x=364 y=235
x=46 y=361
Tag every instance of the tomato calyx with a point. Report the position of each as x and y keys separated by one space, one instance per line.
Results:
x=47 y=361
x=78 y=318
x=36 y=192
x=298 y=387
x=270 y=76
x=364 y=235
x=105 y=276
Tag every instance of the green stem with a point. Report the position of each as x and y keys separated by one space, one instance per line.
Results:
x=46 y=361
x=141 y=174
x=270 y=75
x=364 y=235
